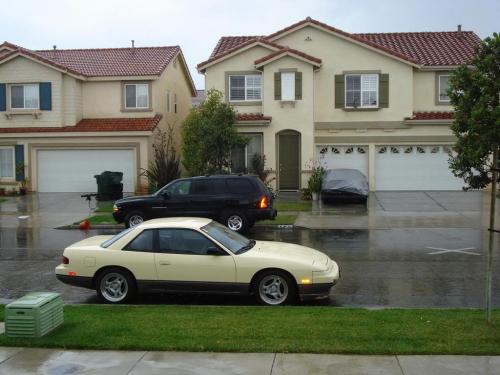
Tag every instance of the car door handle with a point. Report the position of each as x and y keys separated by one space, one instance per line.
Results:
x=164 y=263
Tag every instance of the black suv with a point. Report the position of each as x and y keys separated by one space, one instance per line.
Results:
x=237 y=201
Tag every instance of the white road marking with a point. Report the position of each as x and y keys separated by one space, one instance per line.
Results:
x=23 y=217
x=459 y=251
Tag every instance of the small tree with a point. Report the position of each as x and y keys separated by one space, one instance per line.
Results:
x=209 y=136
x=475 y=95
x=165 y=164
x=258 y=167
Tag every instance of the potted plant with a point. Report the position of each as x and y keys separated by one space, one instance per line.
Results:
x=24 y=186
x=315 y=181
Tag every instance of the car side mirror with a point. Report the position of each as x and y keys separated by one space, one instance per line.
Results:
x=165 y=194
x=215 y=251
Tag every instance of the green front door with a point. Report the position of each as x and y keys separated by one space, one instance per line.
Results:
x=289 y=164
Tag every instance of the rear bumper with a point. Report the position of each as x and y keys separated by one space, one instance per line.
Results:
x=81 y=281
x=262 y=214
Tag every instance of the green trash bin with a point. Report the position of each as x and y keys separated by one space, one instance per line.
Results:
x=109 y=186
x=34 y=315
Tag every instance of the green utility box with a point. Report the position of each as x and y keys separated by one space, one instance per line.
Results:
x=34 y=315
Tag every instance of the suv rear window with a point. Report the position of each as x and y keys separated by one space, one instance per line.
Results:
x=208 y=186
x=240 y=185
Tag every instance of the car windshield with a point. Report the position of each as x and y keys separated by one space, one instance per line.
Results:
x=231 y=240
x=115 y=238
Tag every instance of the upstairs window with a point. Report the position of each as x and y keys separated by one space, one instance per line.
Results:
x=25 y=96
x=288 y=86
x=245 y=88
x=361 y=90
x=137 y=96
x=443 y=82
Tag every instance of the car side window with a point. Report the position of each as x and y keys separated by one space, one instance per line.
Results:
x=240 y=185
x=179 y=188
x=142 y=242
x=183 y=241
x=209 y=186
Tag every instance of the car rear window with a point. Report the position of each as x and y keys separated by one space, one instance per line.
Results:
x=240 y=186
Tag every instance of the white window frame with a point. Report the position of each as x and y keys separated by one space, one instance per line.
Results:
x=292 y=96
x=13 y=163
x=23 y=85
x=246 y=87
x=439 y=88
x=125 y=95
x=361 y=90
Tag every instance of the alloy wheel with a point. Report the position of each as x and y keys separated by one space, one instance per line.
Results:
x=114 y=287
x=235 y=222
x=273 y=289
x=135 y=220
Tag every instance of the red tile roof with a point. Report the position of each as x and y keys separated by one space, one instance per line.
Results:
x=421 y=48
x=95 y=125
x=104 y=62
x=252 y=117
x=431 y=116
x=290 y=50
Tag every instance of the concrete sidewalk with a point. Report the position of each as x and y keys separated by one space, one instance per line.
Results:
x=21 y=361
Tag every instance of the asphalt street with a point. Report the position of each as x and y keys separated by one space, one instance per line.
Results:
x=411 y=267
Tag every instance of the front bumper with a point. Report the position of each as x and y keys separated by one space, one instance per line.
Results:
x=314 y=291
x=119 y=216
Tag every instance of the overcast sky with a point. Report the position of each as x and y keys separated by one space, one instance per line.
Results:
x=196 y=25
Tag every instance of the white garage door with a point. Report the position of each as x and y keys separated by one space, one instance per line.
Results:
x=74 y=170
x=415 y=167
x=351 y=157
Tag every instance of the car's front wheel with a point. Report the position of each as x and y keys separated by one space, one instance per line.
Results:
x=134 y=218
x=115 y=285
x=275 y=288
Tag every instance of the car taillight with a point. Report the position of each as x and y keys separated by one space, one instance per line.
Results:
x=263 y=202
x=65 y=260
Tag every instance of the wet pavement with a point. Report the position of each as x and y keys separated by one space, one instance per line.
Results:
x=393 y=266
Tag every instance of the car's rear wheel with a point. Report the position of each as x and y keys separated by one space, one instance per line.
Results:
x=134 y=218
x=235 y=220
x=275 y=288
x=116 y=286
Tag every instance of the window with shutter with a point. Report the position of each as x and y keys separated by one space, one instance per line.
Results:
x=25 y=96
x=287 y=86
x=7 y=165
x=245 y=88
x=361 y=91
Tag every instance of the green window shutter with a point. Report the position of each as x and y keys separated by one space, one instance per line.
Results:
x=383 y=90
x=339 y=91
x=277 y=86
x=298 y=85
x=3 y=97
x=19 y=160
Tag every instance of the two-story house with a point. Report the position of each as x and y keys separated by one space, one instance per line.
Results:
x=67 y=115
x=374 y=102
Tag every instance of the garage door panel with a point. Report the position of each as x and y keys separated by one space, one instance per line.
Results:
x=74 y=170
x=416 y=167
x=347 y=156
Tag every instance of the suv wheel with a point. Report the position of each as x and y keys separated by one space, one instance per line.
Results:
x=235 y=220
x=134 y=218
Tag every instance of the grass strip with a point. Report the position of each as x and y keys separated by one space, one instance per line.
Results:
x=293 y=206
x=3 y=200
x=99 y=219
x=105 y=207
x=308 y=329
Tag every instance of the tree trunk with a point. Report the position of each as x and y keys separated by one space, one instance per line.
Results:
x=491 y=242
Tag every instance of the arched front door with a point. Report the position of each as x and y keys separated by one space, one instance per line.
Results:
x=288 y=160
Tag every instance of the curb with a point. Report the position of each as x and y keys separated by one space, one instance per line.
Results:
x=121 y=226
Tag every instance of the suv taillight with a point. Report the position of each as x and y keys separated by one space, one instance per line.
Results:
x=64 y=260
x=263 y=202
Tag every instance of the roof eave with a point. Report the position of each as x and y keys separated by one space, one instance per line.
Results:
x=315 y=64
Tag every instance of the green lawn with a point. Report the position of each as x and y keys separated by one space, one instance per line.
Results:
x=99 y=219
x=293 y=206
x=310 y=329
x=3 y=200
x=106 y=207
x=280 y=220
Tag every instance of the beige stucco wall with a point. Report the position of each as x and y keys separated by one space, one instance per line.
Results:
x=339 y=55
x=424 y=88
x=23 y=70
x=72 y=100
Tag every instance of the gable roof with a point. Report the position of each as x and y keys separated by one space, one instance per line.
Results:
x=101 y=62
x=289 y=52
x=447 y=48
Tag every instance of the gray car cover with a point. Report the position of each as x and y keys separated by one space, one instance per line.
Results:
x=348 y=180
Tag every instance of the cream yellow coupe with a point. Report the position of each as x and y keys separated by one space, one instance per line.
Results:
x=196 y=255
